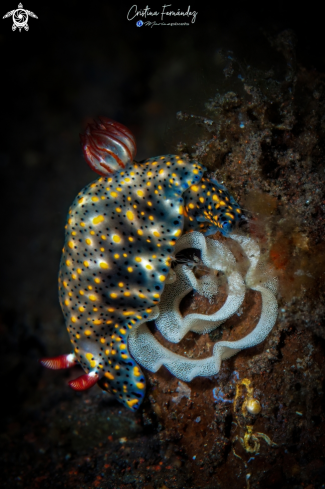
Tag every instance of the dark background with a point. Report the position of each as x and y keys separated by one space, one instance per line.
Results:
x=76 y=62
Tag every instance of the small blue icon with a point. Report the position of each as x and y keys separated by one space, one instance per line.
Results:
x=139 y=23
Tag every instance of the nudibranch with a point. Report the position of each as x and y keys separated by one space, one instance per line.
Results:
x=120 y=237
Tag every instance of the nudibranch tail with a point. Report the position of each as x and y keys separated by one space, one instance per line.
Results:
x=108 y=146
x=130 y=377
x=60 y=362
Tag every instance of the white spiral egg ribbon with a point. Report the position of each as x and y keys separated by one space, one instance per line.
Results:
x=147 y=350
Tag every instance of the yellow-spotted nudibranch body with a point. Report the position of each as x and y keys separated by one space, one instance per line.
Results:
x=120 y=235
x=210 y=204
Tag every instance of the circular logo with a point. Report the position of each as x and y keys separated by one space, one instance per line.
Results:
x=139 y=23
x=20 y=18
